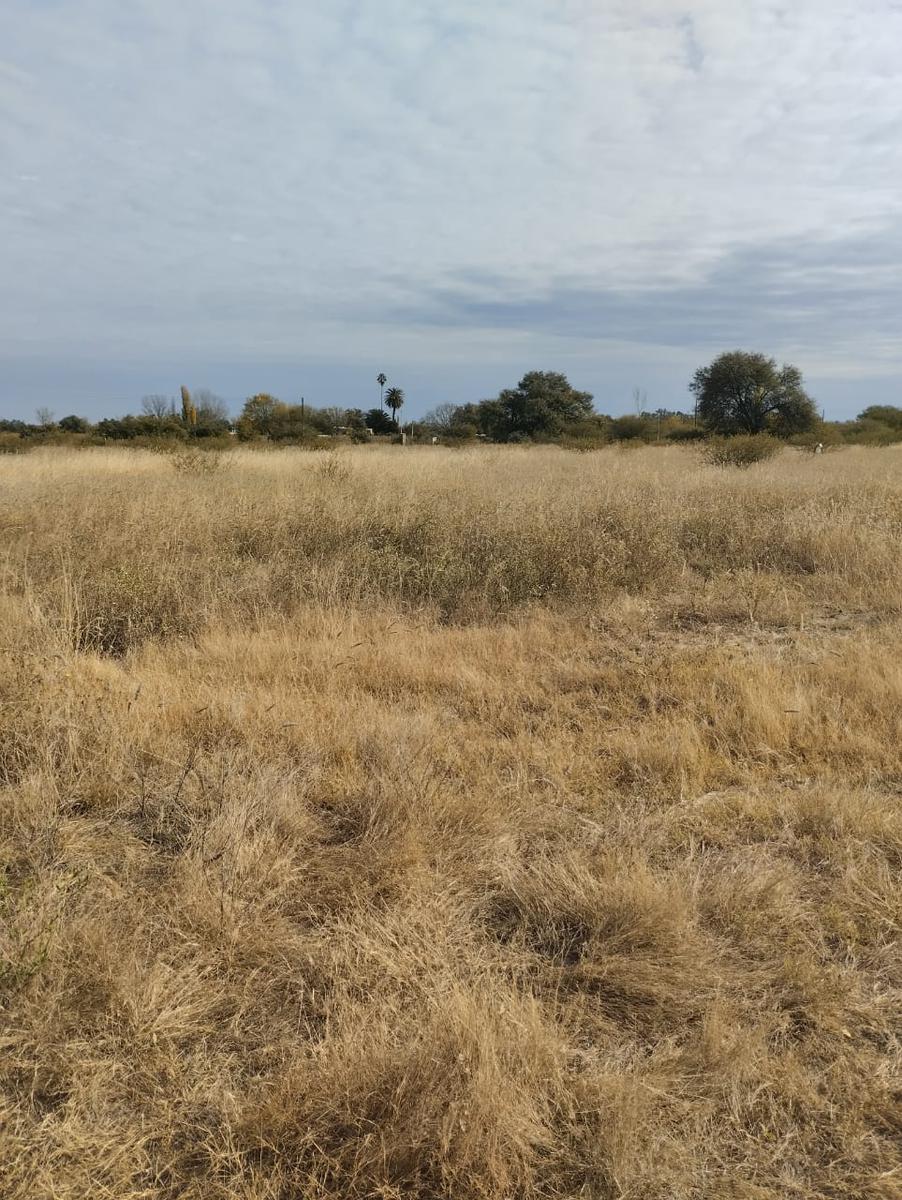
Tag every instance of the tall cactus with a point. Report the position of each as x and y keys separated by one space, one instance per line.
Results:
x=189 y=412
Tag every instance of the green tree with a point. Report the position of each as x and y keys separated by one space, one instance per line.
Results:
x=356 y=425
x=629 y=428
x=260 y=415
x=131 y=426
x=394 y=398
x=885 y=414
x=74 y=424
x=747 y=393
x=296 y=423
x=541 y=405
x=379 y=421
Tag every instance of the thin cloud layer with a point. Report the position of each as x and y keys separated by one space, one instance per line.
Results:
x=304 y=183
x=787 y=294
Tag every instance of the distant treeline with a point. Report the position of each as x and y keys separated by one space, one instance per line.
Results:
x=739 y=393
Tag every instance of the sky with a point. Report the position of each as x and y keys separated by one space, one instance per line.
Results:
x=292 y=196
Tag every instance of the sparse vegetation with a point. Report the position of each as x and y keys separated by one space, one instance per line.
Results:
x=739 y=395
x=489 y=822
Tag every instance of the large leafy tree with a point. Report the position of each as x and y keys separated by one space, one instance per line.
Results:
x=541 y=405
x=261 y=415
x=74 y=424
x=885 y=414
x=747 y=393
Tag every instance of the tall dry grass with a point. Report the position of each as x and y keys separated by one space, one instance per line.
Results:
x=504 y=823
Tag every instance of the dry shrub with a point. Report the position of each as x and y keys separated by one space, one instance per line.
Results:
x=333 y=467
x=194 y=461
x=11 y=443
x=741 y=450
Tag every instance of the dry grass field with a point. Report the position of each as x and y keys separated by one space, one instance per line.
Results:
x=495 y=824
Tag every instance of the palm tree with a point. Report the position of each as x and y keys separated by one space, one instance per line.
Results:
x=382 y=381
x=394 y=398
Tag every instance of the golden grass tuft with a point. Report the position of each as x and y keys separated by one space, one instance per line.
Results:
x=494 y=823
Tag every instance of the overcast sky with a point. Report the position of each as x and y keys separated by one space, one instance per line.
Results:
x=291 y=196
